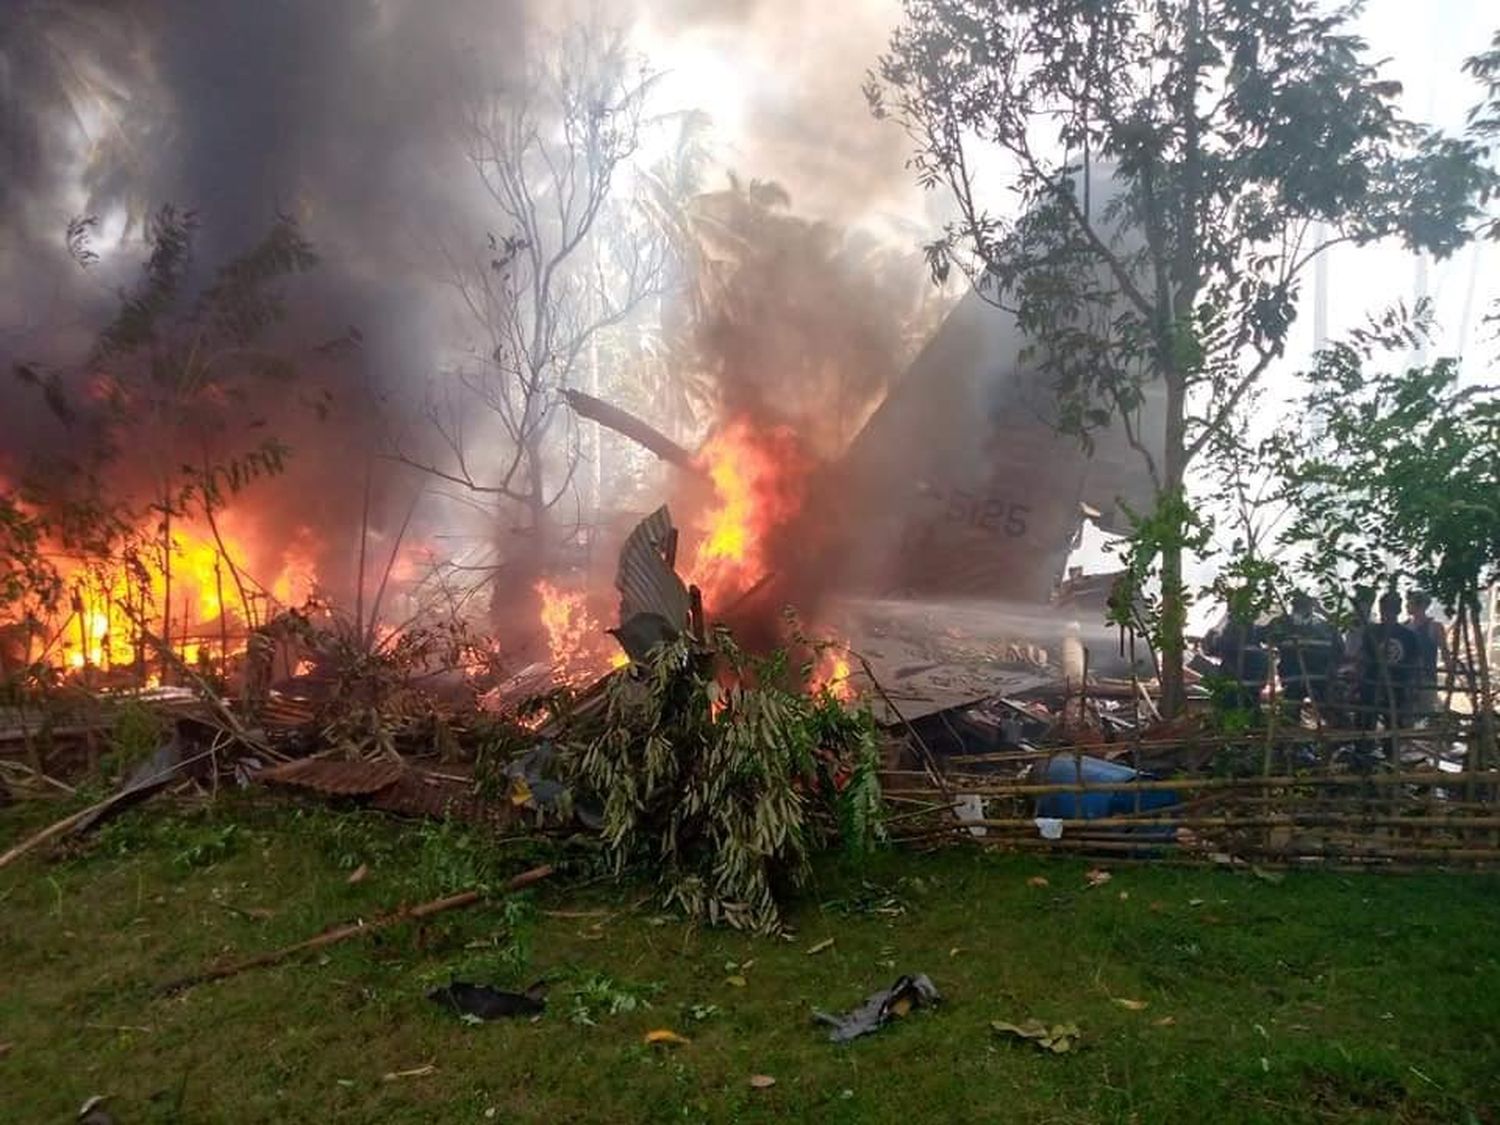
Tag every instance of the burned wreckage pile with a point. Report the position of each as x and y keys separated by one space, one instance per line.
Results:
x=724 y=772
x=718 y=767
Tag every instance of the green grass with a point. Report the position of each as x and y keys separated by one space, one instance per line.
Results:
x=1319 y=998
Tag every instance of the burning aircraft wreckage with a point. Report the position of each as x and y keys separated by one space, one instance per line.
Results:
x=929 y=554
x=938 y=663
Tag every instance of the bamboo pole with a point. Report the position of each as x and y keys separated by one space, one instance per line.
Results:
x=353 y=929
x=1287 y=820
x=1192 y=784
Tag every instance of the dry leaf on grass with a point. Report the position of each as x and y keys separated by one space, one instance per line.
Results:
x=1060 y=1038
x=359 y=874
x=735 y=981
x=1097 y=877
x=665 y=1037
x=1165 y=1021
x=762 y=1081
x=826 y=943
x=1133 y=1005
x=1037 y=881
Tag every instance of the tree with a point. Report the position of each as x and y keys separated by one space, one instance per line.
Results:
x=1397 y=473
x=1484 y=118
x=1246 y=137
x=164 y=416
x=549 y=153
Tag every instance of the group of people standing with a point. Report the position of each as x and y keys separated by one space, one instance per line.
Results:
x=1381 y=672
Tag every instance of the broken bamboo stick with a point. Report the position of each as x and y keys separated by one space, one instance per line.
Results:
x=353 y=929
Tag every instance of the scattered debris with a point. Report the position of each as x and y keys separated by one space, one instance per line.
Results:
x=485 y=1003
x=1059 y=1038
x=151 y=776
x=130 y=794
x=354 y=929
x=1097 y=877
x=415 y=1072
x=880 y=1008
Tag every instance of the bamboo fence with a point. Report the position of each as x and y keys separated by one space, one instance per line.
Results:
x=1284 y=796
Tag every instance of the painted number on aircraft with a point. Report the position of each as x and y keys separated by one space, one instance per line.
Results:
x=987 y=513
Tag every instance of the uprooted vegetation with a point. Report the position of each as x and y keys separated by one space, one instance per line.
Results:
x=723 y=780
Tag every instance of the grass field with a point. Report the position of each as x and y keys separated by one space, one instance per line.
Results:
x=1315 y=998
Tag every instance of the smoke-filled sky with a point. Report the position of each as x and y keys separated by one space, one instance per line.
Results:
x=342 y=112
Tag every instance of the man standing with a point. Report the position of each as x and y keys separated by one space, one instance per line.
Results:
x=1306 y=654
x=1432 y=644
x=1386 y=669
x=1243 y=661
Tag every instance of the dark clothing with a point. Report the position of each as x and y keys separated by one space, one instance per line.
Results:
x=1387 y=666
x=1388 y=654
x=1307 y=651
x=1428 y=636
x=1244 y=660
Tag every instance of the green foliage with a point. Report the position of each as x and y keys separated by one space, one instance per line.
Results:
x=136 y=733
x=725 y=791
x=1173 y=525
x=595 y=996
x=1484 y=118
x=174 y=369
x=1236 y=134
x=1394 y=472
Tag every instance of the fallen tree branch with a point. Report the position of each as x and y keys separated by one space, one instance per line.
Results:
x=628 y=425
x=353 y=929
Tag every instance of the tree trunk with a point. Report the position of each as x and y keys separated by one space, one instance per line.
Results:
x=1173 y=596
x=1485 y=701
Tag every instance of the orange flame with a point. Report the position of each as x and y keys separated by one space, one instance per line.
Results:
x=581 y=650
x=109 y=604
x=831 y=674
x=759 y=480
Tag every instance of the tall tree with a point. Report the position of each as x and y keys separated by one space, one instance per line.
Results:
x=1245 y=138
x=549 y=152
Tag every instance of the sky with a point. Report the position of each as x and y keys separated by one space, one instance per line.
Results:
x=769 y=63
x=752 y=78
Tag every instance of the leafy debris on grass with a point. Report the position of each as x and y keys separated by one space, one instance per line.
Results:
x=1060 y=1038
